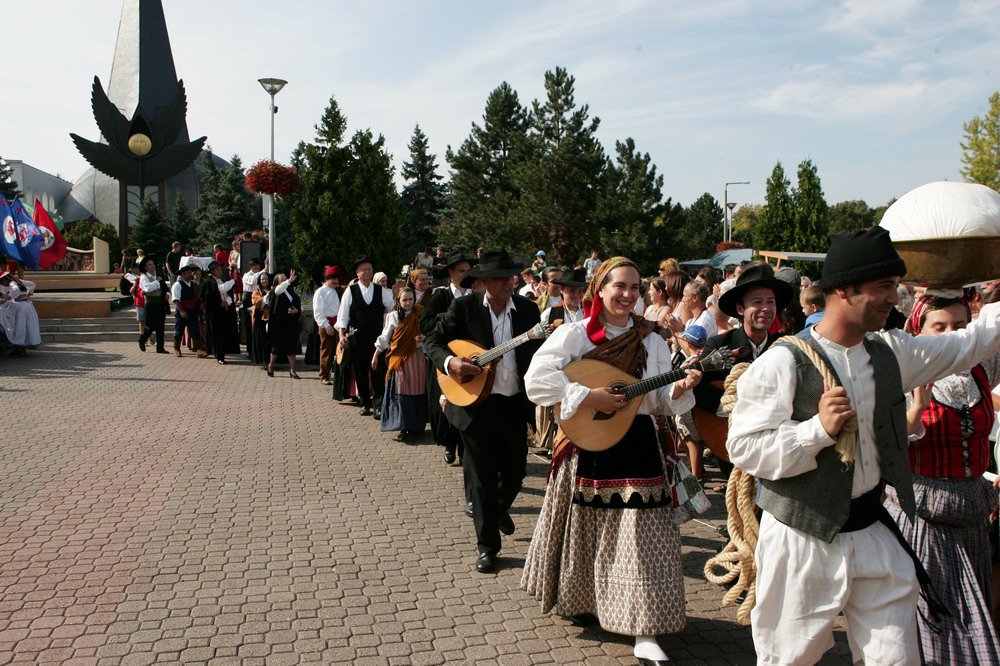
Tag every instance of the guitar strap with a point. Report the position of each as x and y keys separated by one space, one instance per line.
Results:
x=627 y=353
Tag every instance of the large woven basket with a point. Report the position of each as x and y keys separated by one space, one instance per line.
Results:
x=951 y=262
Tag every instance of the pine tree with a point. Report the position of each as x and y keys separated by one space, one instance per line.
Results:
x=981 y=148
x=183 y=227
x=810 y=211
x=225 y=207
x=562 y=174
x=628 y=207
x=348 y=205
x=8 y=186
x=423 y=198
x=151 y=231
x=775 y=230
x=482 y=193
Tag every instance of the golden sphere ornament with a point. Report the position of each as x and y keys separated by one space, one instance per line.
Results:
x=140 y=144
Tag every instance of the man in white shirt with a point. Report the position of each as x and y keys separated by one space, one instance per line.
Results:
x=570 y=309
x=326 y=306
x=363 y=307
x=551 y=291
x=185 y=302
x=495 y=430
x=826 y=543
x=250 y=287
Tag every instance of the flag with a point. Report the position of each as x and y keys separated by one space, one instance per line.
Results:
x=10 y=245
x=53 y=243
x=29 y=238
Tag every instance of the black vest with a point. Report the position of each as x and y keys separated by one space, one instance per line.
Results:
x=187 y=291
x=366 y=317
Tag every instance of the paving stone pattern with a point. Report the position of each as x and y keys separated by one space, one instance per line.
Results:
x=163 y=510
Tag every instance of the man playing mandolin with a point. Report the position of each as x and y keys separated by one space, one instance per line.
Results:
x=606 y=542
x=493 y=426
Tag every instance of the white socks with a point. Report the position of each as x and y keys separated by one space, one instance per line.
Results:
x=646 y=647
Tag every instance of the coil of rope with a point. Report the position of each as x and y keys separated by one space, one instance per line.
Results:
x=735 y=563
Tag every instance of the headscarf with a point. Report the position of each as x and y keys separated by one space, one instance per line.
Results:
x=411 y=282
x=592 y=304
x=920 y=306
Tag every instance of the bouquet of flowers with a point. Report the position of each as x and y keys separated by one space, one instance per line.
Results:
x=267 y=177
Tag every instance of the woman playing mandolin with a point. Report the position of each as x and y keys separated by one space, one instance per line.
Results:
x=606 y=543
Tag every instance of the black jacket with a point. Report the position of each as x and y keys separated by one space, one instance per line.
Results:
x=434 y=309
x=707 y=396
x=468 y=318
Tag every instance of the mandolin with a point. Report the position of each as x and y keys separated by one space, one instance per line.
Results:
x=342 y=351
x=592 y=430
x=468 y=391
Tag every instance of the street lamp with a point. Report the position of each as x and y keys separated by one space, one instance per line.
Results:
x=272 y=87
x=727 y=210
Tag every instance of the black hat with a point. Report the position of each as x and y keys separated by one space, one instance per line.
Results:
x=866 y=254
x=213 y=264
x=361 y=260
x=759 y=275
x=495 y=264
x=255 y=260
x=189 y=267
x=457 y=258
x=575 y=278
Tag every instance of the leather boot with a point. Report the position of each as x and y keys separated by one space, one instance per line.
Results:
x=199 y=350
x=177 y=347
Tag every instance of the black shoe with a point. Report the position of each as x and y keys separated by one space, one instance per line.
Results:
x=449 y=457
x=485 y=563
x=506 y=524
x=142 y=345
x=222 y=361
x=402 y=436
x=377 y=414
x=468 y=509
x=653 y=662
x=365 y=411
x=161 y=350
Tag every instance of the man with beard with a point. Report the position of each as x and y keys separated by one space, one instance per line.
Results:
x=495 y=431
x=757 y=298
x=821 y=423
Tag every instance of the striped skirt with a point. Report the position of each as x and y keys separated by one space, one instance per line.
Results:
x=950 y=535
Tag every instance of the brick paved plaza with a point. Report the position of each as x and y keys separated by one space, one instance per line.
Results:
x=155 y=509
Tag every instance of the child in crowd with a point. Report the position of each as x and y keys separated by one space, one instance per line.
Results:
x=813 y=303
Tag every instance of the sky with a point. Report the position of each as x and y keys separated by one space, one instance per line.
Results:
x=875 y=92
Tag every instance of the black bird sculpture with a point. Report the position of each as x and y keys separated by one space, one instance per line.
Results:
x=139 y=151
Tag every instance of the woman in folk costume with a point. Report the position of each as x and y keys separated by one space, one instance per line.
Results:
x=404 y=406
x=283 y=327
x=260 y=347
x=606 y=542
x=419 y=280
x=950 y=423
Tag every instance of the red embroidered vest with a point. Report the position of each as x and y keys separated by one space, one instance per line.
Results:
x=957 y=442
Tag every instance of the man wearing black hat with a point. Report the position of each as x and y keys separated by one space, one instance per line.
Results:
x=218 y=312
x=363 y=308
x=756 y=299
x=185 y=302
x=495 y=431
x=441 y=299
x=572 y=284
x=821 y=451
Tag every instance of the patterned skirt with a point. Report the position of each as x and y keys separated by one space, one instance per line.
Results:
x=950 y=535
x=622 y=565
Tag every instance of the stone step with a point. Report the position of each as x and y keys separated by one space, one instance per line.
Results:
x=81 y=337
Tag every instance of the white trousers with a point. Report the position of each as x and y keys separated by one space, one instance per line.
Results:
x=803 y=583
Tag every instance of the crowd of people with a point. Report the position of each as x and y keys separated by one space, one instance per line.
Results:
x=864 y=409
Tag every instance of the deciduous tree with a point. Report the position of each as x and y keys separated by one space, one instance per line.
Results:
x=981 y=146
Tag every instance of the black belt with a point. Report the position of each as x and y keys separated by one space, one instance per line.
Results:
x=865 y=511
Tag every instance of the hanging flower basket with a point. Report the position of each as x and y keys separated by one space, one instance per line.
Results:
x=267 y=177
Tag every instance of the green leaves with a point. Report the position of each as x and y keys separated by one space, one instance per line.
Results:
x=981 y=147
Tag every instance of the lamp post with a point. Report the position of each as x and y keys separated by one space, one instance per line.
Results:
x=727 y=222
x=272 y=87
